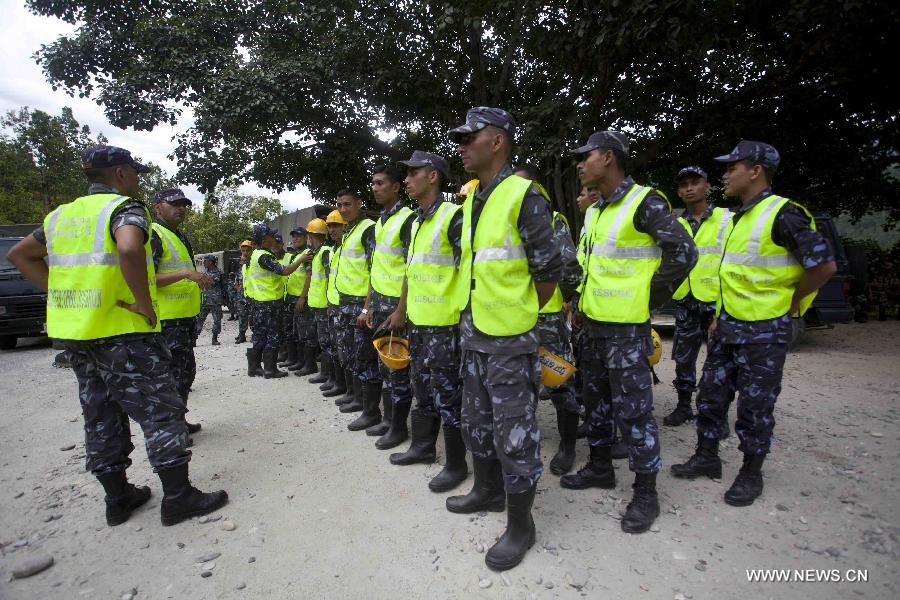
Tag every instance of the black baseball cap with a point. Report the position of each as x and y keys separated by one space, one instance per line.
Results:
x=759 y=153
x=691 y=170
x=480 y=117
x=261 y=230
x=101 y=157
x=298 y=230
x=171 y=196
x=420 y=158
x=614 y=140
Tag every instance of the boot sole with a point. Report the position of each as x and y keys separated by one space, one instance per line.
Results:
x=739 y=503
x=390 y=444
x=354 y=426
x=169 y=521
x=378 y=430
x=449 y=485
x=640 y=529
x=692 y=476
x=124 y=518
x=498 y=506
x=416 y=461
x=351 y=409
x=331 y=393
x=506 y=566
x=602 y=486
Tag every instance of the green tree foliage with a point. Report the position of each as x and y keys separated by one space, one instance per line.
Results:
x=225 y=223
x=286 y=92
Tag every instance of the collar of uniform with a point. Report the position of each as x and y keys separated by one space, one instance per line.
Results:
x=617 y=193
x=423 y=215
x=483 y=192
x=706 y=213
x=102 y=188
x=745 y=207
x=386 y=214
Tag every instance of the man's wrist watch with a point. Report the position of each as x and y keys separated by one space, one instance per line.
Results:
x=364 y=311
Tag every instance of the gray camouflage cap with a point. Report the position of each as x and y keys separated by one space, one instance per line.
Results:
x=759 y=153
x=480 y=117
x=613 y=140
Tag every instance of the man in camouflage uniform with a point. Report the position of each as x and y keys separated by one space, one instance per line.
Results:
x=170 y=206
x=212 y=298
x=637 y=255
x=762 y=273
x=555 y=334
x=433 y=325
x=692 y=315
x=295 y=360
x=242 y=301
x=341 y=380
x=501 y=373
x=303 y=318
x=126 y=374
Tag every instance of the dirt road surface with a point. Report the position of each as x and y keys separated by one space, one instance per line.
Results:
x=320 y=513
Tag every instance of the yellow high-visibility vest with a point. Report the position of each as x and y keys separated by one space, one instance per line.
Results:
x=353 y=272
x=703 y=280
x=267 y=285
x=389 y=259
x=431 y=273
x=297 y=279
x=331 y=293
x=318 y=283
x=181 y=299
x=555 y=303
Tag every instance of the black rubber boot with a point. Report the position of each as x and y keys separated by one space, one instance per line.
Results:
x=455 y=468
x=619 y=449
x=598 y=472
x=748 y=484
x=358 y=399
x=215 y=340
x=309 y=362
x=704 y=463
x=290 y=355
x=387 y=409
x=682 y=413
x=282 y=352
x=193 y=427
x=253 y=359
x=240 y=339
x=371 y=414
x=519 y=536
x=424 y=437
x=339 y=387
x=487 y=492
x=270 y=371
x=350 y=395
x=644 y=506
x=181 y=500
x=567 y=423
x=324 y=374
x=399 y=431
x=122 y=498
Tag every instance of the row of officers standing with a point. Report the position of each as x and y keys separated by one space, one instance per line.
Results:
x=476 y=289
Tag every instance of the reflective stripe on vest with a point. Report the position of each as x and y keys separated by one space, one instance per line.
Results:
x=267 y=285
x=296 y=280
x=703 y=280
x=85 y=283
x=353 y=271
x=757 y=276
x=620 y=263
x=318 y=279
x=495 y=281
x=389 y=260
x=555 y=303
x=181 y=299
x=246 y=282
x=431 y=274
x=331 y=293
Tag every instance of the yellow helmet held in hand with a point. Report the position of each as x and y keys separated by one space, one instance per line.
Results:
x=657 y=348
x=335 y=217
x=317 y=226
x=467 y=187
x=555 y=371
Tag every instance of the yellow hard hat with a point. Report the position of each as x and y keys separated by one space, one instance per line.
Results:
x=467 y=187
x=317 y=226
x=555 y=371
x=247 y=243
x=335 y=217
x=657 y=348
x=393 y=352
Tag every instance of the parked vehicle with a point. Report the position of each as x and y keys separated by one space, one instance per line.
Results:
x=23 y=307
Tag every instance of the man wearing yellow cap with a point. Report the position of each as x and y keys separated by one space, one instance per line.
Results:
x=341 y=381
x=312 y=303
x=240 y=285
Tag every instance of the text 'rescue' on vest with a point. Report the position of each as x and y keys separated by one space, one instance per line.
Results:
x=620 y=263
x=495 y=281
x=182 y=299
x=431 y=274
x=85 y=281
x=389 y=260
x=353 y=269
x=703 y=281
x=757 y=276
x=267 y=285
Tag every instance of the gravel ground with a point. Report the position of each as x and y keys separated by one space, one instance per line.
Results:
x=319 y=512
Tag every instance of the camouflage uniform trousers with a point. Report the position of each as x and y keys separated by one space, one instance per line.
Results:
x=206 y=310
x=554 y=335
x=753 y=371
x=305 y=326
x=434 y=362
x=619 y=387
x=243 y=314
x=180 y=338
x=290 y=332
x=265 y=320
x=692 y=321
x=122 y=378
x=355 y=349
x=397 y=381
x=499 y=403
x=323 y=332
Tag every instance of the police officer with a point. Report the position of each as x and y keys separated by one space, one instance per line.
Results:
x=297 y=359
x=509 y=268
x=342 y=379
x=428 y=300
x=555 y=335
x=266 y=292
x=240 y=286
x=304 y=320
x=385 y=284
x=178 y=284
x=773 y=263
x=212 y=298
x=313 y=299
x=637 y=255
x=695 y=299
x=101 y=304
x=354 y=336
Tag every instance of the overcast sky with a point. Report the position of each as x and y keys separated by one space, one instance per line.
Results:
x=23 y=84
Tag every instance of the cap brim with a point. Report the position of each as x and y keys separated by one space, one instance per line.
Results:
x=727 y=158
x=415 y=164
x=459 y=132
x=583 y=149
x=684 y=174
x=140 y=168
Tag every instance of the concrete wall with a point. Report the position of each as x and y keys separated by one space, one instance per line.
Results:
x=300 y=218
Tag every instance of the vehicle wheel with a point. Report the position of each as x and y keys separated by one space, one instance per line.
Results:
x=8 y=342
x=798 y=326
